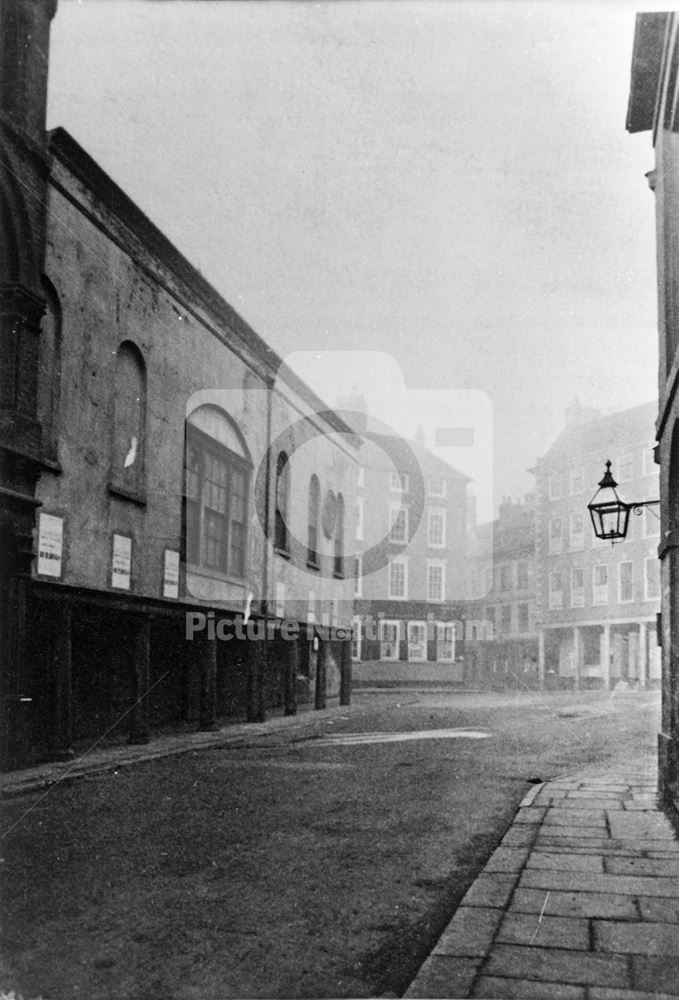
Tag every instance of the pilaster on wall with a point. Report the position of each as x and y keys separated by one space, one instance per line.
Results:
x=24 y=169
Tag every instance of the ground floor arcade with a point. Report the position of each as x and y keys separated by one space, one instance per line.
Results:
x=600 y=654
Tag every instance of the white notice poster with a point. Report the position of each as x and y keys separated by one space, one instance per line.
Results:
x=122 y=562
x=171 y=574
x=50 y=544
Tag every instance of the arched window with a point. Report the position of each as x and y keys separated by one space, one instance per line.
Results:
x=281 y=540
x=314 y=503
x=217 y=476
x=339 y=537
x=129 y=420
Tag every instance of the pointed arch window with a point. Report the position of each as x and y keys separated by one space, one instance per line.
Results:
x=314 y=516
x=339 y=538
x=129 y=422
x=281 y=535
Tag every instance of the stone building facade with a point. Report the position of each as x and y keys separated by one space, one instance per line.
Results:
x=597 y=602
x=501 y=627
x=410 y=556
x=653 y=107
x=178 y=538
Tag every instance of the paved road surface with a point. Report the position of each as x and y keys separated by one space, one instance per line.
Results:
x=321 y=862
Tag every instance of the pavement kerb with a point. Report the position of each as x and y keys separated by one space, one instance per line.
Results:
x=502 y=942
x=103 y=760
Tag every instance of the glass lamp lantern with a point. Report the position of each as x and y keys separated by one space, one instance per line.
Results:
x=609 y=514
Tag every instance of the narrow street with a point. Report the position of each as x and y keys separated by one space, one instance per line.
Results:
x=319 y=861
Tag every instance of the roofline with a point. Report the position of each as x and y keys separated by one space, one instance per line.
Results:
x=455 y=473
x=86 y=169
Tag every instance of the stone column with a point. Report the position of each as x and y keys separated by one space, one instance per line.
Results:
x=292 y=669
x=139 y=716
x=321 y=656
x=577 y=656
x=62 y=666
x=668 y=738
x=606 y=656
x=208 y=685
x=643 y=655
x=345 y=676
x=256 y=667
x=541 y=657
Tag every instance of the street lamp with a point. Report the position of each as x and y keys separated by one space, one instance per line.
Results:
x=610 y=514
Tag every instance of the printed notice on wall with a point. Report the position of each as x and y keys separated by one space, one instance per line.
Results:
x=171 y=574
x=122 y=562
x=50 y=544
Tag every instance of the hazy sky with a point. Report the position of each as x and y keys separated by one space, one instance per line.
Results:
x=450 y=183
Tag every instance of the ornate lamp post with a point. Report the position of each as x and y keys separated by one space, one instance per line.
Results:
x=610 y=514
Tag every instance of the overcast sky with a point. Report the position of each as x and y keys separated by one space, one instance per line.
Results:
x=450 y=183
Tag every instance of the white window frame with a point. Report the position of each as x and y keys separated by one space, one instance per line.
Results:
x=358 y=576
x=437 y=512
x=621 y=599
x=398 y=562
x=597 y=588
x=443 y=628
x=647 y=596
x=280 y=599
x=436 y=564
x=555 y=541
x=555 y=596
x=649 y=466
x=435 y=493
x=629 y=457
x=412 y=625
x=577 y=476
x=357 y=638
x=576 y=542
x=397 y=641
x=394 y=512
x=519 y=630
x=359 y=530
x=578 y=601
x=399 y=482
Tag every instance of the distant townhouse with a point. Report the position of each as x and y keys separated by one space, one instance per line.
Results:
x=597 y=602
x=501 y=625
x=410 y=552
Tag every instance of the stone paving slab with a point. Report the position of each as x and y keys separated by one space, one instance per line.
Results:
x=545 y=932
x=636 y=938
x=560 y=861
x=580 y=901
x=575 y=904
x=525 y=989
x=626 y=885
x=557 y=965
x=641 y=866
x=470 y=933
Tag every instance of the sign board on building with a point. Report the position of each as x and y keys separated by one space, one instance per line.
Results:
x=171 y=574
x=50 y=544
x=121 y=564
